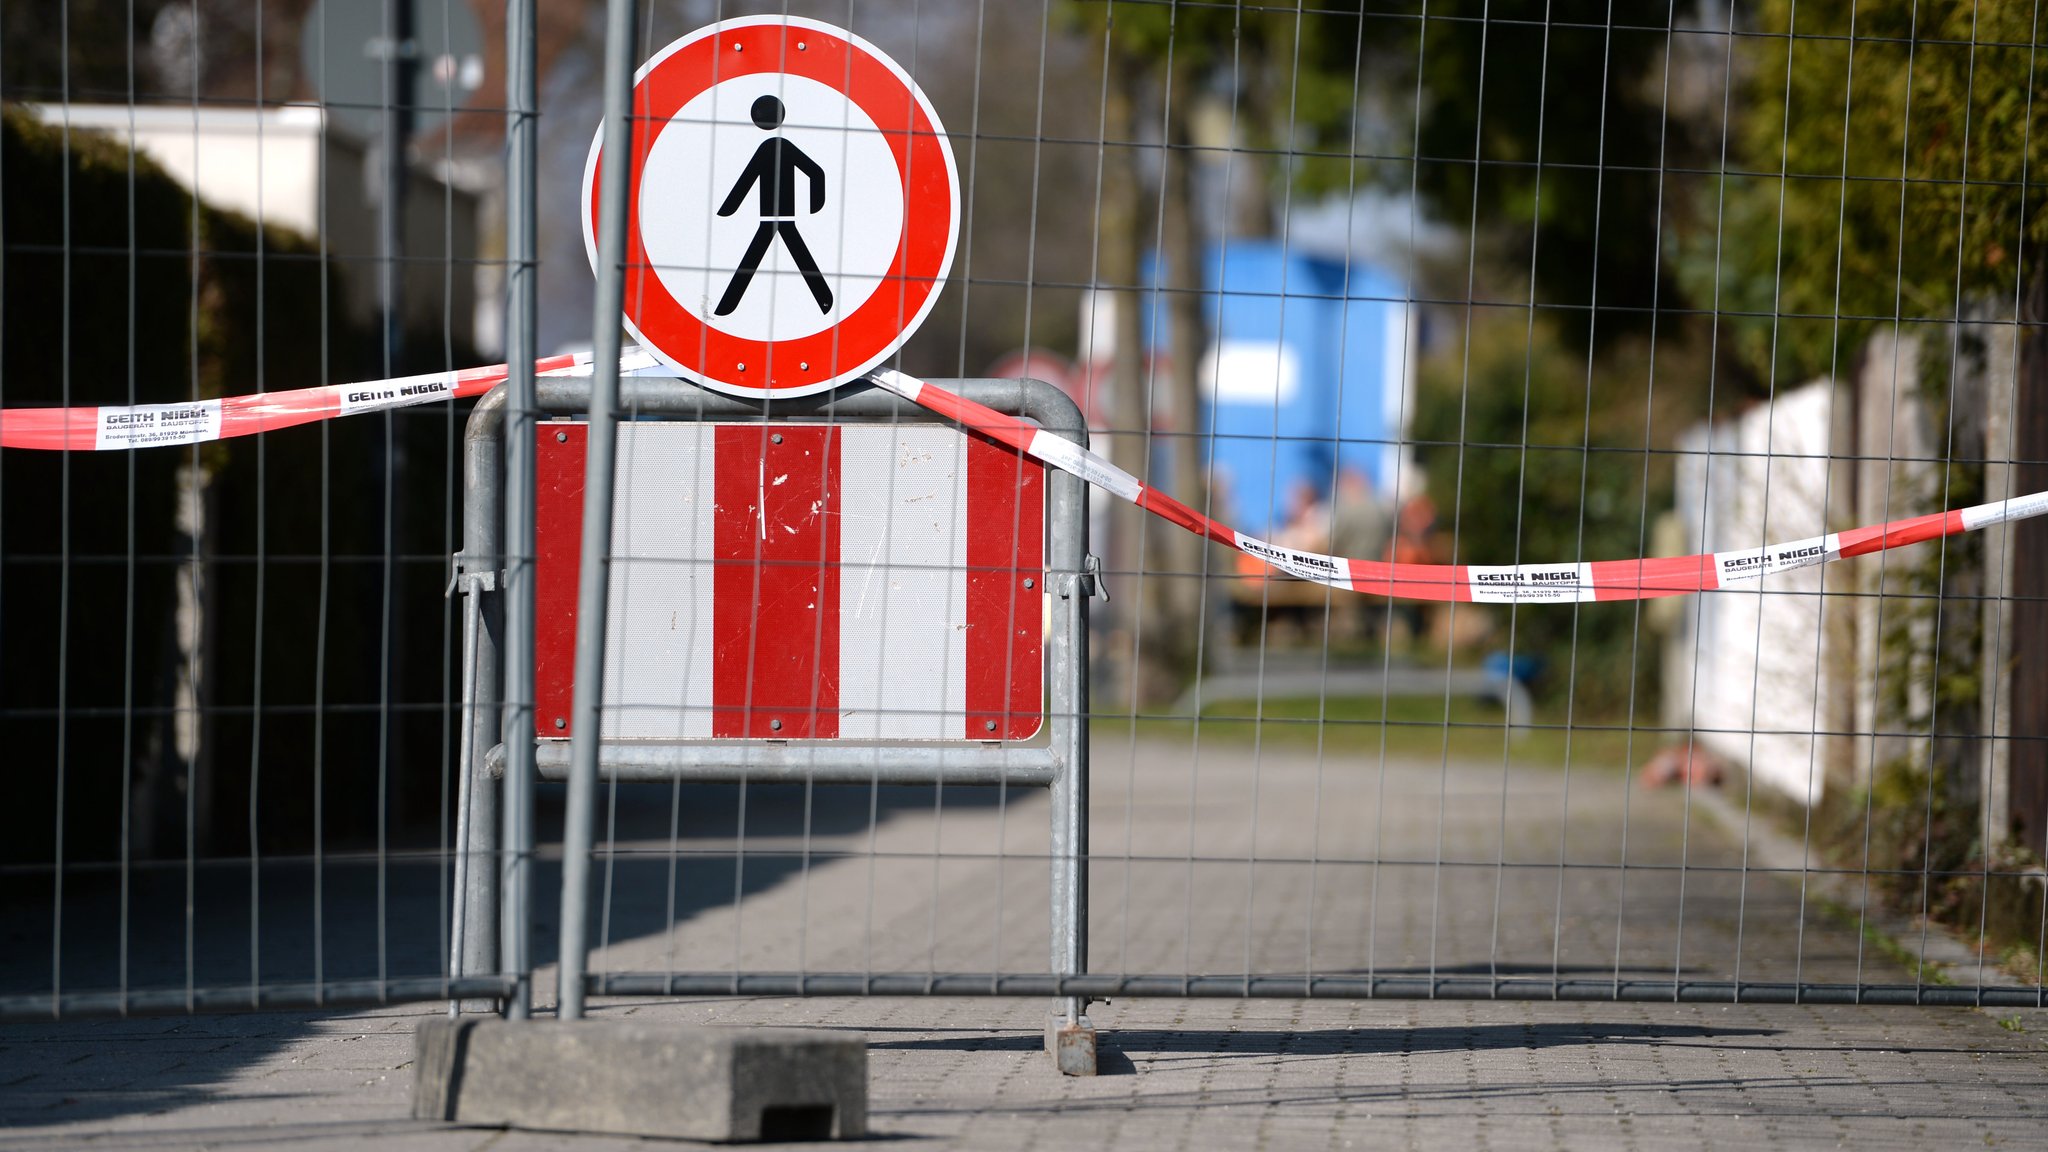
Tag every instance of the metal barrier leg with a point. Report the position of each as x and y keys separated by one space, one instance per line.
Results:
x=1069 y=1037
x=473 y=936
x=478 y=923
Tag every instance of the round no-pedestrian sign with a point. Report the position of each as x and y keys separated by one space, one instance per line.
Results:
x=794 y=206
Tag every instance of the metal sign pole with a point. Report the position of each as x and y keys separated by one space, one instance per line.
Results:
x=399 y=51
x=521 y=320
x=594 y=565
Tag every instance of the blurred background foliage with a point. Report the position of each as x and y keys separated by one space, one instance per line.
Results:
x=1891 y=156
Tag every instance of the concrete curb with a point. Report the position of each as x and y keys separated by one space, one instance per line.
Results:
x=1946 y=956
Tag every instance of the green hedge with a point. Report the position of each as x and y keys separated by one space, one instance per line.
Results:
x=160 y=310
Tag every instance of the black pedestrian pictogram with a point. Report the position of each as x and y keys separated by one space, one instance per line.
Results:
x=774 y=167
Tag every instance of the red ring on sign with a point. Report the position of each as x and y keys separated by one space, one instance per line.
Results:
x=923 y=252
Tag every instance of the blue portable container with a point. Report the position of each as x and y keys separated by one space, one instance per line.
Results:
x=1304 y=371
x=1373 y=396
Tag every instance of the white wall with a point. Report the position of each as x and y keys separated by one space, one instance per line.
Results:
x=1747 y=666
x=273 y=164
x=264 y=164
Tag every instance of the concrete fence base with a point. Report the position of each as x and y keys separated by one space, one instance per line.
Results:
x=636 y=1079
x=1071 y=1044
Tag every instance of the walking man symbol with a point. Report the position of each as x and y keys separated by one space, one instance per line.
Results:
x=774 y=167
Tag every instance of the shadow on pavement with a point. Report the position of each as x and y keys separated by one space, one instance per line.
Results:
x=1380 y=1040
x=350 y=915
x=353 y=916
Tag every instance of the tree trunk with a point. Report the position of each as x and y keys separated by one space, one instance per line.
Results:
x=1138 y=648
x=1183 y=552
x=2028 y=814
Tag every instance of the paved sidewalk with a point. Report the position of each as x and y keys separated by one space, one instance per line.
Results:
x=1204 y=861
x=1216 y=1074
x=1208 y=859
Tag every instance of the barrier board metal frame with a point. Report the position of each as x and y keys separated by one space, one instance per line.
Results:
x=496 y=851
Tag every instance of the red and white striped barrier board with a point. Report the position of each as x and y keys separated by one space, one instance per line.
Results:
x=150 y=425
x=801 y=581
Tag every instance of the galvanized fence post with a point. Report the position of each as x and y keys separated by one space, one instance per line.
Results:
x=1075 y=585
x=521 y=347
x=595 y=564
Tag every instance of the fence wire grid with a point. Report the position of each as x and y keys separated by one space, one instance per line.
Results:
x=888 y=708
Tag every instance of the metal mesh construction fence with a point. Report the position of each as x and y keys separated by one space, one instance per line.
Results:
x=1376 y=500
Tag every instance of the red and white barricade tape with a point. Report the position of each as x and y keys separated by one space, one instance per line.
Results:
x=153 y=425
x=198 y=421
x=1485 y=584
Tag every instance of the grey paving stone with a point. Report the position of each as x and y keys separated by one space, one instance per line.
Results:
x=1212 y=862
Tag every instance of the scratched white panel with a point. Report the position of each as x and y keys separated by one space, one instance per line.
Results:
x=658 y=631
x=903 y=582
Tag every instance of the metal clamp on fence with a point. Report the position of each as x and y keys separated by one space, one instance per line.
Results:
x=1089 y=580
